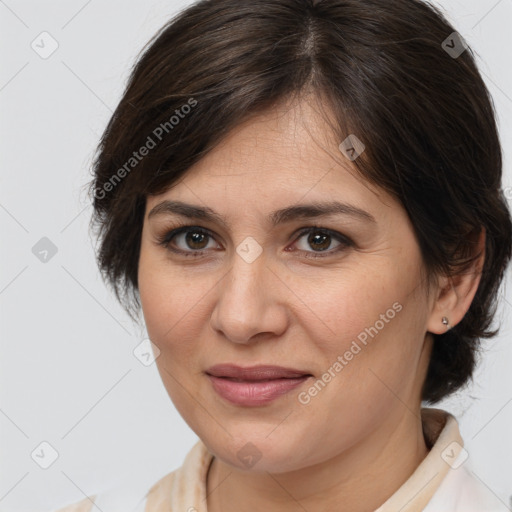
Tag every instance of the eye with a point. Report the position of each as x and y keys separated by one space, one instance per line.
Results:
x=191 y=240
x=320 y=239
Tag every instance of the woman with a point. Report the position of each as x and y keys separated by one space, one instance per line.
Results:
x=303 y=198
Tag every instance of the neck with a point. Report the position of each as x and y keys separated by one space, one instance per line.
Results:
x=359 y=479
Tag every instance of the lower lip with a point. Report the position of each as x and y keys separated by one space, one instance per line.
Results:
x=251 y=393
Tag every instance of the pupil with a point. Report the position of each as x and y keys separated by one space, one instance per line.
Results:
x=194 y=238
x=313 y=239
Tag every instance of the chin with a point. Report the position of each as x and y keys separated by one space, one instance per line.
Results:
x=273 y=454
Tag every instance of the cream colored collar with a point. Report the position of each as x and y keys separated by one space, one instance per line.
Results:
x=441 y=431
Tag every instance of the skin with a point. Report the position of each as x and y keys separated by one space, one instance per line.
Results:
x=359 y=439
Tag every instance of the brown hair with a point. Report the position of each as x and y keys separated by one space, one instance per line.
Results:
x=389 y=76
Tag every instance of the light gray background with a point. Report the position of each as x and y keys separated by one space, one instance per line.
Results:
x=68 y=373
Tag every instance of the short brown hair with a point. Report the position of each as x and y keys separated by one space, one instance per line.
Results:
x=423 y=113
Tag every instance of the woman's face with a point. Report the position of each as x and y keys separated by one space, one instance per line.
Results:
x=337 y=297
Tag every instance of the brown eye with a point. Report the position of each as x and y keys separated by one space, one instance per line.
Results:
x=320 y=240
x=195 y=239
x=186 y=240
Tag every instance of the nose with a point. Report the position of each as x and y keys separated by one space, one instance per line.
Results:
x=250 y=303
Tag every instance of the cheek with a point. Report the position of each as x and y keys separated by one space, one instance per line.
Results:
x=369 y=329
x=361 y=301
x=169 y=303
x=171 y=307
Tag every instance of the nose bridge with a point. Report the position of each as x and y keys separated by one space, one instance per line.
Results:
x=244 y=302
x=248 y=269
x=244 y=287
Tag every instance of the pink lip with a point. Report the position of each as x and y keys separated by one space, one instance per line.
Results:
x=256 y=385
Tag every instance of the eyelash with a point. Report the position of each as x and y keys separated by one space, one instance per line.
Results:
x=165 y=239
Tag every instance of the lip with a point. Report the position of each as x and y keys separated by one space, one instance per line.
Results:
x=254 y=385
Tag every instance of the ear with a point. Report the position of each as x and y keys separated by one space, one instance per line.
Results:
x=455 y=294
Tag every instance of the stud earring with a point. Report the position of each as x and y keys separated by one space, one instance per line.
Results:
x=445 y=322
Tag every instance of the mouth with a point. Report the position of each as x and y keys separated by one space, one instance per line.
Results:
x=255 y=373
x=255 y=385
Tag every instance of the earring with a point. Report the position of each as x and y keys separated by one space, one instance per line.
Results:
x=445 y=322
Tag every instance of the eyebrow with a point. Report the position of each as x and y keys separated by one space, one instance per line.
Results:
x=302 y=211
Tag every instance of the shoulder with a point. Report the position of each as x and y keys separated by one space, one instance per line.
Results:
x=462 y=491
x=129 y=495
x=185 y=488
x=185 y=484
x=84 y=505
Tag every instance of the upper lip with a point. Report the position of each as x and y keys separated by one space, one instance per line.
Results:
x=261 y=372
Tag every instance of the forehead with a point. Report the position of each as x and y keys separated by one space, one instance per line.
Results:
x=285 y=155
